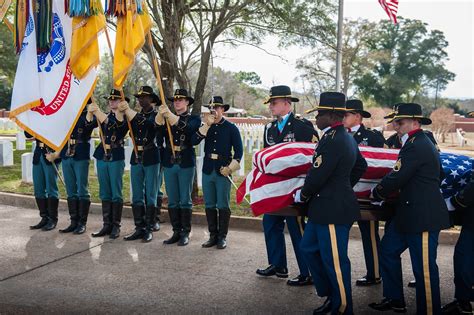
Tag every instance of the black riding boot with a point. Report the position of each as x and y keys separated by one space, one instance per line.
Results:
x=186 y=215
x=116 y=219
x=53 y=204
x=139 y=220
x=211 y=215
x=150 y=223
x=158 y=220
x=224 y=218
x=42 y=204
x=73 y=207
x=107 y=219
x=175 y=220
x=84 y=206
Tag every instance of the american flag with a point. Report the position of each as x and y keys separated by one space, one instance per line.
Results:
x=279 y=171
x=391 y=7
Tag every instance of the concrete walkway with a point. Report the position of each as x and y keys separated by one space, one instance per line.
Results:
x=49 y=272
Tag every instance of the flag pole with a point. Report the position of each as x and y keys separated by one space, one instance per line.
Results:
x=340 y=26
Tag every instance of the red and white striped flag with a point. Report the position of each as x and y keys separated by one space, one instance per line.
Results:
x=279 y=171
x=391 y=7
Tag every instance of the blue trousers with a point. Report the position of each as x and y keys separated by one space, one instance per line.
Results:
x=324 y=248
x=160 y=181
x=369 y=231
x=110 y=175
x=178 y=184
x=144 y=182
x=216 y=191
x=464 y=266
x=76 y=178
x=423 y=251
x=45 y=180
x=273 y=228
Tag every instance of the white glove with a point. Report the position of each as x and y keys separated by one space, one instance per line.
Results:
x=204 y=129
x=449 y=204
x=210 y=119
x=297 y=196
x=165 y=111
x=232 y=167
x=159 y=119
x=94 y=109
x=125 y=108
x=51 y=157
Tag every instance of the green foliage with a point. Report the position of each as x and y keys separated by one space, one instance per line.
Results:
x=8 y=60
x=250 y=78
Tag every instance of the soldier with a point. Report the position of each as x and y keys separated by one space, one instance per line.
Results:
x=145 y=163
x=420 y=215
x=75 y=158
x=45 y=185
x=285 y=128
x=463 y=260
x=110 y=155
x=369 y=230
x=179 y=162
x=332 y=206
x=221 y=138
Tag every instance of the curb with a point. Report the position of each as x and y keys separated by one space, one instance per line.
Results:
x=446 y=237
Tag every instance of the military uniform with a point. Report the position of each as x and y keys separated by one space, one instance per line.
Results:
x=45 y=186
x=75 y=164
x=394 y=141
x=221 y=138
x=420 y=215
x=332 y=209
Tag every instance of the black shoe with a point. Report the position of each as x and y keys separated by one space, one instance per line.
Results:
x=183 y=239
x=53 y=204
x=212 y=225
x=300 y=281
x=324 y=308
x=365 y=282
x=80 y=229
x=42 y=204
x=117 y=208
x=136 y=235
x=84 y=206
x=173 y=239
x=186 y=215
x=175 y=220
x=412 y=284
x=457 y=307
x=107 y=219
x=138 y=212
x=156 y=226
x=389 y=305
x=51 y=225
x=115 y=233
x=73 y=208
x=224 y=218
x=106 y=230
x=212 y=241
x=148 y=236
x=280 y=272
x=221 y=243
x=150 y=215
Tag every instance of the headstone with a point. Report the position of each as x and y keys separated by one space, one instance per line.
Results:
x=199 y=162
x=128 y=154
x=94 y=160
x=250 y=145
x=33 y=146
x=6 y=153
x=20 y=141
x=27 y=167
x=242 y=166
x=92 y=147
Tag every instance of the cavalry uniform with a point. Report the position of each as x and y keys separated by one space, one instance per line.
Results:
x=420 y=215
x=332 y=209
x=221 y=138
x=288 y=129
x=45 y=185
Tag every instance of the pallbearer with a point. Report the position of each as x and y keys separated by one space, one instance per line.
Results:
x=145 y=163
x=179 y=168
x=110 y=157
x=223 y=151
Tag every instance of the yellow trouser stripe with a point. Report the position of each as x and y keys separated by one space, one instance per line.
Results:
x=426 y=273
x=337 y=267
x=374 y=250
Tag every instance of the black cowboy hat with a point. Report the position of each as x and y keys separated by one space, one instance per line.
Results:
x=217 y=101
x=148 y=91
x=181 y=93
x=411 y=110
x=280 y=91
x=330 y=101
x=356 y=106
x=116 y=95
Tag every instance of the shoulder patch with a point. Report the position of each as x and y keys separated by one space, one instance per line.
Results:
x=269 y=125
x=398 y=165
x=318 y=161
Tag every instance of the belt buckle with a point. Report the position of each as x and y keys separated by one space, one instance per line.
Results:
x=139 y=147
x=107 y=147
x=41 y=145
x=214 y=156
x=177 y=149
x=72 y=141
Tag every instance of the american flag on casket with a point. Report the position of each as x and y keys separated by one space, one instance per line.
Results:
x=279 y=171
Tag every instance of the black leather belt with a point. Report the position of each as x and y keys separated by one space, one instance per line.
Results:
x=214 y=156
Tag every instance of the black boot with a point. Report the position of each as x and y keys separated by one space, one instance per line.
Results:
x=176 y=224
x=116 y=219
x=224 y=218
x=107 y=219
x=150 y=223
x=53 y=204
x=84 y=206
x=186 y=215
x=156 y=223
x=211 y=215
x=73 y=207
x=139 y=220
x=42 y=204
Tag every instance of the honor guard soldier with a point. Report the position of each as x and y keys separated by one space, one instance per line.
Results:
x=110 y=155
x=463 y=202
x=286 y=128
x=332 y=206
x=75 y=158
x=179 y=163
x=45 y=185
x=145 y=163
x=420 y=215
x=369 y=230
x=221 y=138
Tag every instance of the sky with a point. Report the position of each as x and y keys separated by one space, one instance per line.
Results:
x=453 y=17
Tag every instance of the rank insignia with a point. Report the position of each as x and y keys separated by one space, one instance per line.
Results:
x=314 y=139
x=318 y=161
x=397 y=166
